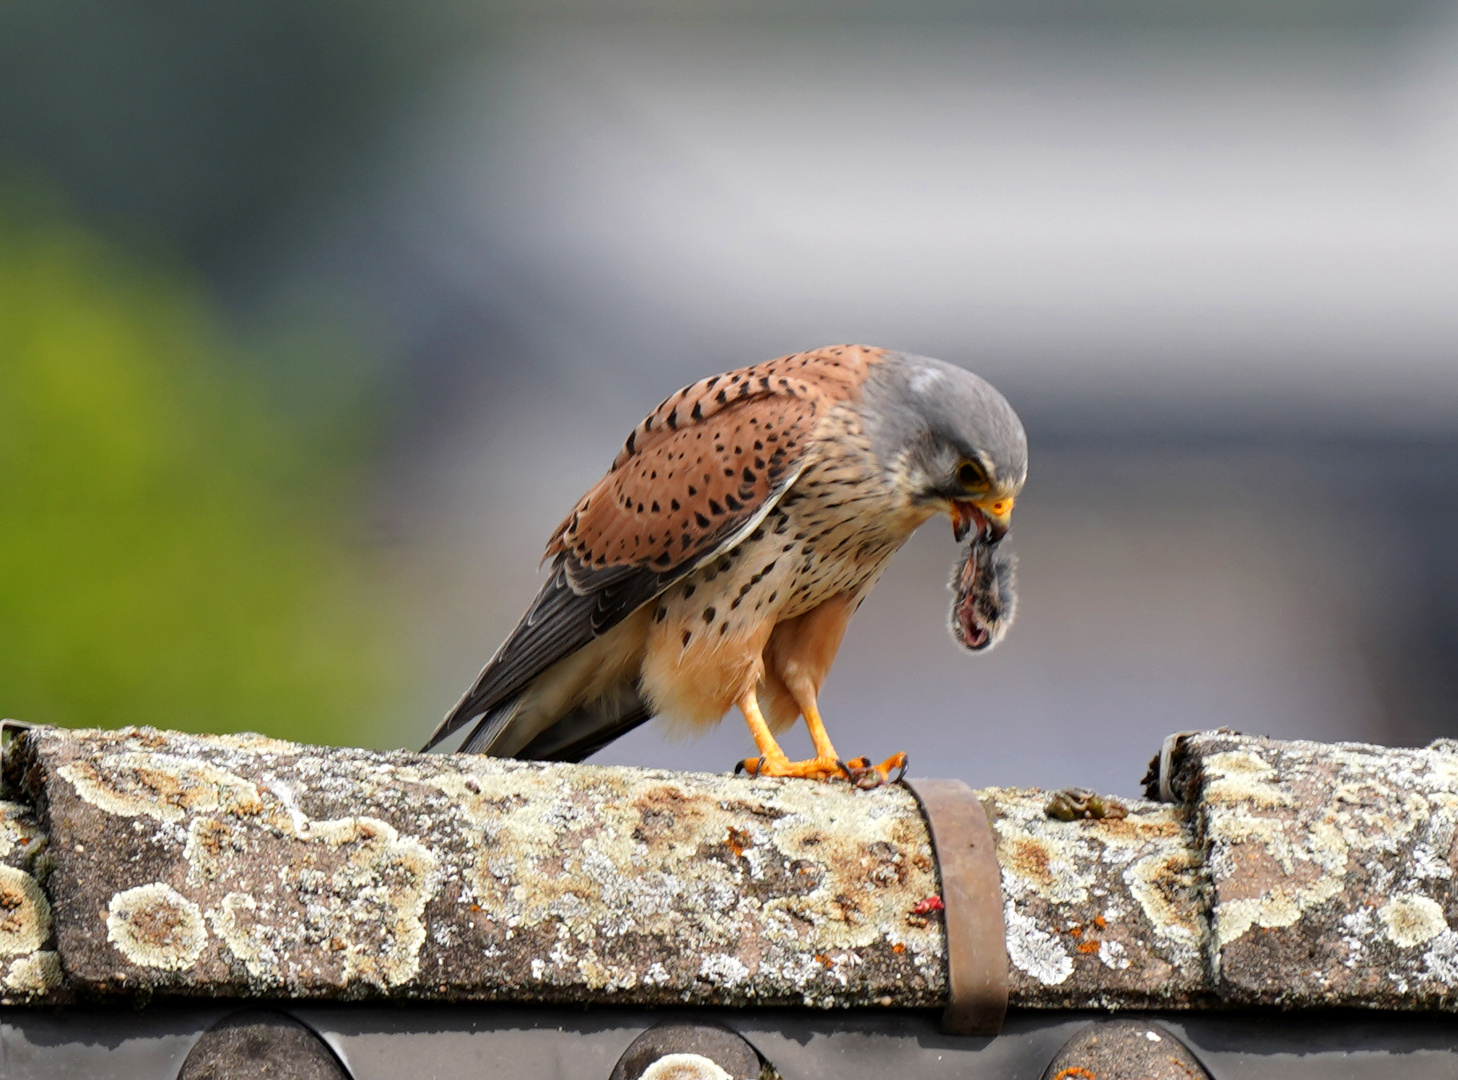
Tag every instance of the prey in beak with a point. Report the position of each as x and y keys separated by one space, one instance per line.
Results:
x=984 y=587
x=991 y=516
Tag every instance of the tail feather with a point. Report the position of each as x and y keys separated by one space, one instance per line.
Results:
x=586 y=730
x=492 y=728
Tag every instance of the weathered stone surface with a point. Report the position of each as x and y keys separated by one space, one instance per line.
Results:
x=1106 y=913
x=29 y=969
x=1294 y=874
x=243 y=865
x=1331 y=870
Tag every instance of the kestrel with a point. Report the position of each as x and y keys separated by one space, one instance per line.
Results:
x=720 y=559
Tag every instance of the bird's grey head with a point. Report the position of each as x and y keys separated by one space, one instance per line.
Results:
x=951 y=441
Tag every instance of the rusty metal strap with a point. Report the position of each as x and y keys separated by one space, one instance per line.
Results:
x=972 y=895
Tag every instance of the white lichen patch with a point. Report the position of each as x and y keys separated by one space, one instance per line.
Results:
x=1440 y=961
x=25 y=913
x=1034 y=950
x=1412 y=919
x=684 y=1067
x=1112 y=954
x=32 y=976
x=162 y=786
x=723 y=970
x=155 y=926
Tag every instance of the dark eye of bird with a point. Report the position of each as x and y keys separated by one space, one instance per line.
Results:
x=970 y=475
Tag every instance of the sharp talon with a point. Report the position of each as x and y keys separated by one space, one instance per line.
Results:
x=897 y=762
x=845 y=768
x=741 y=766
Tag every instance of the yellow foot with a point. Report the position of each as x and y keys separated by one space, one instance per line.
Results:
x=814 y=769
x=863 y=774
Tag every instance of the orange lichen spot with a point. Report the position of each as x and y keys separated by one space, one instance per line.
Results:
x=1075 y=1072
x=738 y=841
x=1090 y=946
x=1100 y=921
x=898 y=948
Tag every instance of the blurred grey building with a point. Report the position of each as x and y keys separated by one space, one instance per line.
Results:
x=1211 y=257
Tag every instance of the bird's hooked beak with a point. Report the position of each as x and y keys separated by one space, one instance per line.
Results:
x=992 y=516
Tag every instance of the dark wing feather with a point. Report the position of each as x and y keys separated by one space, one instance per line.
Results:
x=560 y=621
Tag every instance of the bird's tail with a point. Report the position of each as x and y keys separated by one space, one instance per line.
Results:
x=515 y=728
x=492 y=728
x=588 y=728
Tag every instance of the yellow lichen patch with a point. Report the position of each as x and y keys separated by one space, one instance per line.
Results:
x=1243 y=776
x=1234 y=918
x=1030 y=858
x=25 y=914
x=684 y=1067
x=1163 y=886
x=160 y=786
x=36 y=974
x=1412 y=919
x=155 y=926
x=211 y=844
x=252 y=743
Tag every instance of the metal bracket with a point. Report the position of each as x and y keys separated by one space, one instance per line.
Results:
x=972 y=897
x=1164 y=766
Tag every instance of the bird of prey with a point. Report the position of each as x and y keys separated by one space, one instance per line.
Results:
x=720 y=559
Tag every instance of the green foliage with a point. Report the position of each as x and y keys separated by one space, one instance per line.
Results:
x=172 y=552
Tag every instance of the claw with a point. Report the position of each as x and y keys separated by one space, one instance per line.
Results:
x=862 y=774
x=821 y=769
x=753 y=766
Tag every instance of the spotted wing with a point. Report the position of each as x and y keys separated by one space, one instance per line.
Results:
x=694 y=478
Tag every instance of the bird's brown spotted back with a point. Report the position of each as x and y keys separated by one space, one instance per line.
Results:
x=703 y=462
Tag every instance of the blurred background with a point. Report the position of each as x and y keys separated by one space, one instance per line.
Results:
x=315 y=319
